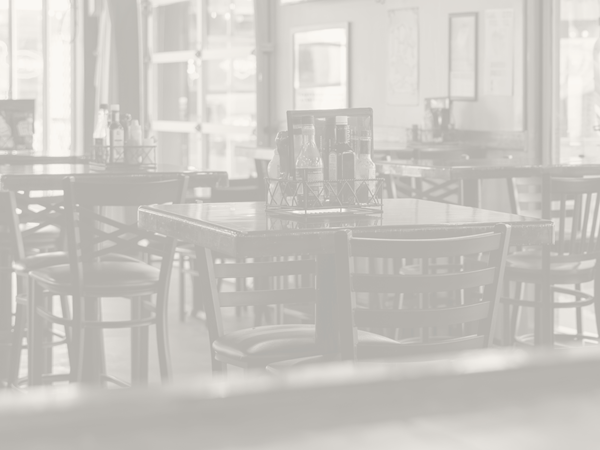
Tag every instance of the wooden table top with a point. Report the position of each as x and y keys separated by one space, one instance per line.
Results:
x=32 y=158
x=490 y=400
x=482 y=169
x=246 y=229
x=50 y=176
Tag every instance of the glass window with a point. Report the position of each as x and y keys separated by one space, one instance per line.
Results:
x=221 y=154
x=28 y=60
x=60 y=39
x=4 y=56
x=177 y=87
x=42 y=72
x=579 y=79
x=176 y=27
x=232 y=109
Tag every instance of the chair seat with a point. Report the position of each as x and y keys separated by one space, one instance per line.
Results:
x=527 y=266
x=48 y=259
x=258 y=347
x=102 y=279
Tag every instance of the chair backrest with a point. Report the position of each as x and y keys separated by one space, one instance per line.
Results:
x=276 y=281
x=525 y=195
x=445 y=292
x=574 y=206
x=10 y=233
x=93 y=233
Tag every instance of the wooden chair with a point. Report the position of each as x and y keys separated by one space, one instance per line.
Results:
x=24 y=259
x=525 y=196
x=447 y=288
x=255 y=348
x=574 y=206
x=88 y=277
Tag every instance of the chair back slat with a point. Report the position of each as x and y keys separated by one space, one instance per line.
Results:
x=443 y=291
x=416 y=248
x=420 y=318
x=265 y=269
x=268 y=297
x=407 y=351
x=282 y=281
x=574 y=206
x=407 y=284
x=526 y=196
x=92 y=234
x=10 y=233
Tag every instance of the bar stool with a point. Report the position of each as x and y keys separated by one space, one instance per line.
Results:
x=88 y=277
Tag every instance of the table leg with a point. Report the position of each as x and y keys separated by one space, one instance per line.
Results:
x=93 y=355
x=470 y=193
x=326 y=328
x=5 y=309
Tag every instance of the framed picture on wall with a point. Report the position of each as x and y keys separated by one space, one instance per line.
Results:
x=320 y=67
x=462 y=70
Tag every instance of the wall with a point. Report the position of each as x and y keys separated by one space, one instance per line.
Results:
x=368 y=46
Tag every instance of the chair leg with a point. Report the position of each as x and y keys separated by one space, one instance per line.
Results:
x=218 y=367
x=162 y=337
x=35 y=337
x=66 y=314
x=135 y=341
x=16 y=347
x=578 y=313
x=77 y=344
x=597 y=302
x=182 y=264
x=144 y=344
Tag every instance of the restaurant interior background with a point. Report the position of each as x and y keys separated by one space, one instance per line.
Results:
x=212 y=82
x=224 y=79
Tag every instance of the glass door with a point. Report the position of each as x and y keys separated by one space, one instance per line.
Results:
x=203 y=82
x=578 y=81
x=174 y=79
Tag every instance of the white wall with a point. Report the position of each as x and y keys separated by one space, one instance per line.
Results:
x=368 y=46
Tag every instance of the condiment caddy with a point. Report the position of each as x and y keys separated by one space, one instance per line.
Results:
x=119 y=142
x=322 y=165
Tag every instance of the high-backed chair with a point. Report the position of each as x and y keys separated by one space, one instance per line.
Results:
x=24 y=259
x=574 y=206
x=442 y=298
x=454 y=284
x=255 y=348
x=92 y=235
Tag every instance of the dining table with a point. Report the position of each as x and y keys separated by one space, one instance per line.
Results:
x=246 y=229
x=37 y=182
x=469 y=173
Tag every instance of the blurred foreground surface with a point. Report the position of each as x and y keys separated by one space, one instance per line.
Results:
x=482 y=400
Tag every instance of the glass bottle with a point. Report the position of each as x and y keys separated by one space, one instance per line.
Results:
x=101 y=128
x=365 y=170
x=274 y=173
x=309 y=167
x=117 y=137
x=346 y=160
x=283 y=149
